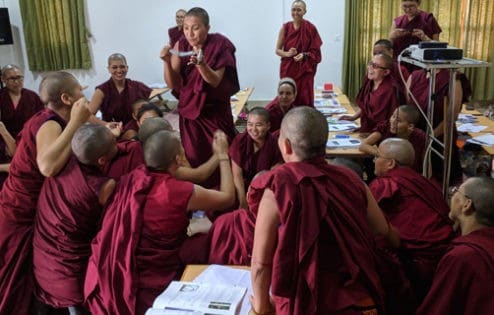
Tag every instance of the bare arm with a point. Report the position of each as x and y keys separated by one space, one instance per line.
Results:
x=199 y=174
x=378 y=223
x=207 y=199
x=238 y=181
x=212 y=77
x=10 y=144
x=96 y=101
x=171 y=67
x=53 y=145
x=5 y=167
x=265 y=239
x=355 y=116
x=106 y=191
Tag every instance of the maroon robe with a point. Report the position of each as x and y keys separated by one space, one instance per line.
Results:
x=276 y=114
x=464 y=278
x=377 y=105
x=118 y=106
x=204 y=109
x=416 y=207
x=417 y=139
x=324 y=259
x=68 y=218
x=18 y=199
x=135 y=254
x=232 y=238
x=241 y=151
x=14 y=118
x=306 y=40
x=419 y=87
x=174 y=33
x=129 y=157
x=424 y=21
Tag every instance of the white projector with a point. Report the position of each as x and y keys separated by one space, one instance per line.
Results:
x=431 y=53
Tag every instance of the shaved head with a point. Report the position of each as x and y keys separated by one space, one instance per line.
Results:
x=411 y=114
x=151 y=126
x=161 y=150
x=307 y=130
x=481 y=191
x=260 y=111
x=400 y=150
x=90 y=142
x=54 y=84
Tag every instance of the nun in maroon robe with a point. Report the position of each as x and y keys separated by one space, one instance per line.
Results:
x=324 y=258
x=129 y=156
x=464 y=278
x=251 y=162
x=14 y=116
x=377 y=105
x=136 y=253
x=18 y=199
x=204 y=109
x=4 y=159
x=422 y=20
x=117 y=106
x=69 y=216
x=306 y=40
x=416 y=207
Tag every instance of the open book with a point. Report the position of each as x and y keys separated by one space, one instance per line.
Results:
x=191 y=298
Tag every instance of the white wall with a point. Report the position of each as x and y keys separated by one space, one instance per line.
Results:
x=138 y=29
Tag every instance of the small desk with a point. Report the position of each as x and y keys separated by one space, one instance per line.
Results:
x=238 y=105
x=484 y=121
x=343 y=152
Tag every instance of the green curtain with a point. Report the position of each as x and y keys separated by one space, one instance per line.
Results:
x=467 y=24
x=55 y=34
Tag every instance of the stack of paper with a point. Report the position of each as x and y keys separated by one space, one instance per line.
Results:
x=487 y=139
x=466 y=118
x=342 y=143
x=468 y=127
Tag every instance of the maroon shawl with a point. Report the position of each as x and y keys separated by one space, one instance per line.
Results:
x=306 y=40
x=324 y=257
x=68 y=218
x=135 y=254
x=118 y=106
x=129 y=157
x=174 y=33
x=464 y=279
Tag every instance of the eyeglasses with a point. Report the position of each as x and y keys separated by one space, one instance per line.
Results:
x=15 y=79
x=453 y=190
x=380 y=156
x=375 y=66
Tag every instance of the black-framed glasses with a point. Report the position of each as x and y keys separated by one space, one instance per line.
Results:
x=374 y=65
